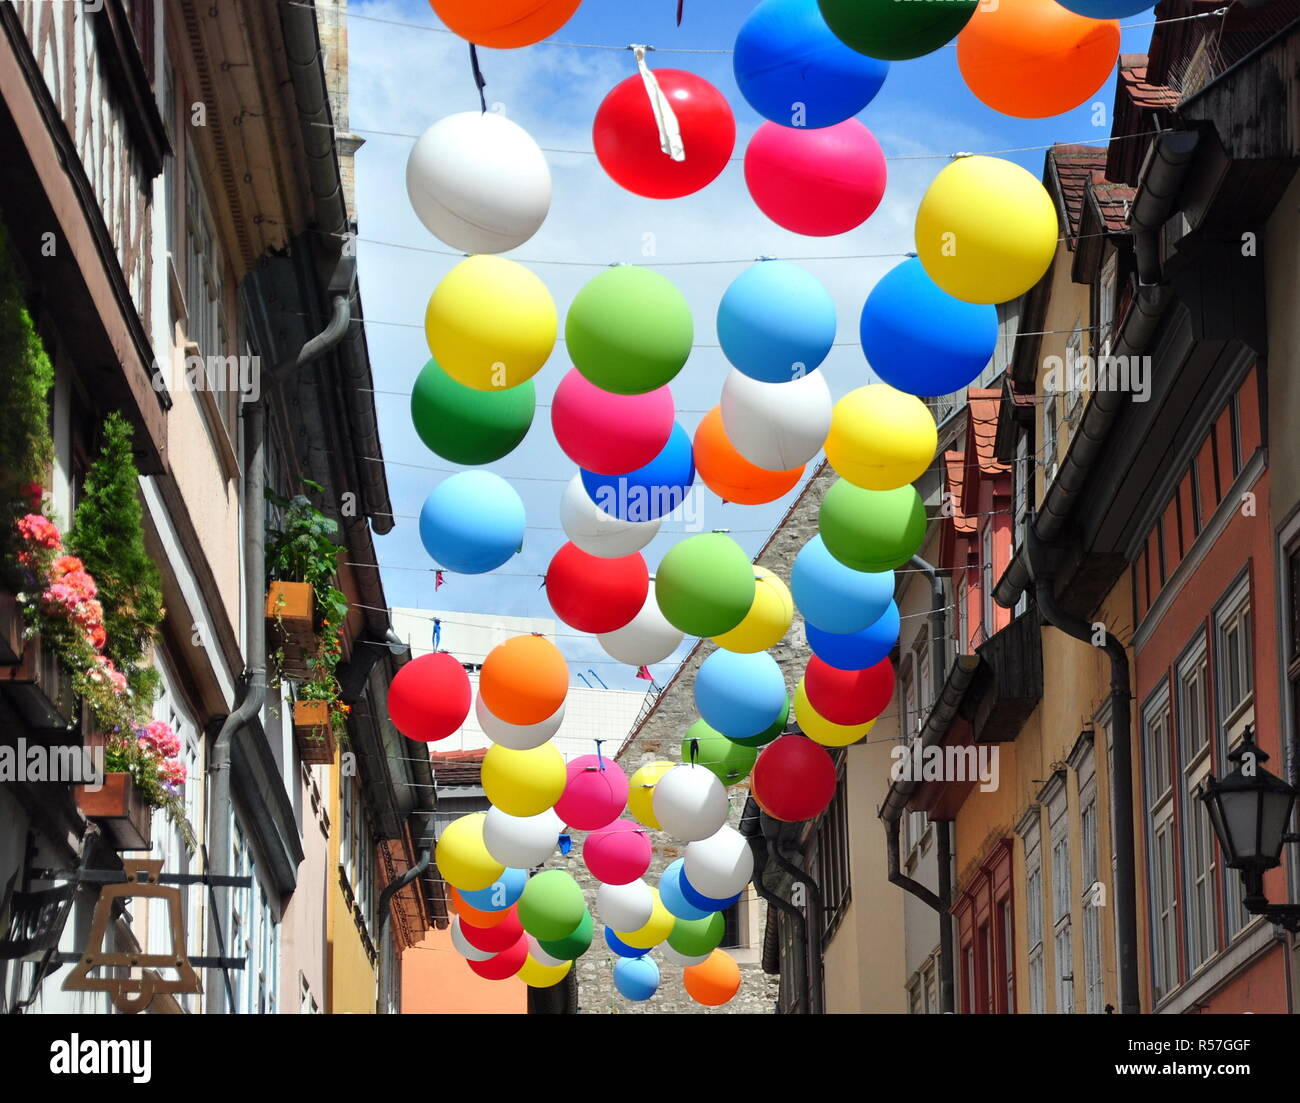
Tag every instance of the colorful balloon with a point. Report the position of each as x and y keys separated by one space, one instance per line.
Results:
x=645 y=640
x=986 y=230
x=540 y=956
x=552 y=905
x=740 y=695
x=518 y=737
x=523 y=783
x=893 y=31
x=698 y=936
x=627 y=140
x=768 y=620
x=522 y=842
x=471 y=915
x=820 y=730
x=472 y=522
x=690 y=803
x=595 y=793
x=649 y=492
x=524 y=680
x=880 y=438
x=625 y=952
x=720 y=865
x=871 y=530
x=599 y=533
x=461 y=856
x=504 y=965
x=1107 y=9
x=849 y=696
x=705 y=584
x=429 y=697
x=777 y=425
x=732 y=477
x=573 y=945
x=641 y=792
x=773 y=731
x=834 y=597
x=672 y=893
x=658 y=927
x=674 y=958
x=467 y=426
x=776 y=322
x=729 y=762
x=610 y=434
x=816 y=182
x=479 y=182
x=920 y=339
x=505 y=24
x=697 y=899
x=856 y=650
x=495 y=939
x=491 y=324
x=503 y=892
x=625 y=907
x=463 y=946
x=794 y=779
x=636 y=978
x=593 y=594
x=717 y=980
x=535 y=974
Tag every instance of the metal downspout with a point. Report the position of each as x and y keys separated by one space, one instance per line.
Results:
x=750 y=828
x=773 y=830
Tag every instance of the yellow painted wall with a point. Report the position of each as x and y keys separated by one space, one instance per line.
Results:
x=353 y=981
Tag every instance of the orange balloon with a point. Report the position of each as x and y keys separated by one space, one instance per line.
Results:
x=472 y=915
x=729 y=475
x=714 y=981
x=524 y=680
x=1033 y=58
x=505 y=24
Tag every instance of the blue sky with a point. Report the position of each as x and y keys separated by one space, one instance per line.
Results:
x=403 y=79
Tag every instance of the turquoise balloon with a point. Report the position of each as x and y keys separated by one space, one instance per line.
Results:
x=776 y=323
x=672 y=895
x=636 y=978
x=740 y=695
x=836 y=598
x=499 y=895
x=472 y=523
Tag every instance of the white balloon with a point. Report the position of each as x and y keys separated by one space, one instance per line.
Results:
x=645 y=640
x=597 y=532
x=540 y=956
x=690 y=803
x=721 y=865
x=458 y=939
x=479 y=182
x=625 y=907
x=777 y=425
x=518 y=737
x=669 y=954
x=521 y=842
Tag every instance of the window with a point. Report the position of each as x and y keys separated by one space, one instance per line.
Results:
x=962 y=617
x=254 y=934
x=986 y=583
x=1106 y=303
x=1031 y=834
x=731 y=927
x=928 y=977
x=357 y=856
x=1051 y=421
x=833 y=862
x=908 y=700
x=1093 y=992
x=1008 y=953
x=1062 y=934
x=924 y=675
x=1197 y=836
x=1074 y=372
x=1020 y=480
x=1235 y=686
x=1157 y=749
x=914 y=1006
x=205 y=297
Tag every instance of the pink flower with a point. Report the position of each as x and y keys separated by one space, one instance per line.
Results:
x=65 y=565
x=160 y=737
x=40 y=530
x=32 y=493
x=173 y=773
x=97 y=636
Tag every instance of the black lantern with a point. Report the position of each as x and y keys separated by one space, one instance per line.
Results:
x=1249 y=811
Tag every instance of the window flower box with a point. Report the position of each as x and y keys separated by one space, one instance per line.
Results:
x=120 y=810
x=291 y=624
x=40 y=688
x=313 y=732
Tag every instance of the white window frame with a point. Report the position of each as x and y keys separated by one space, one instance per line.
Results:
x=1157 y=750
x=986 y=572
x=1031 y=837
x=1234 y=613
x=254 y=933
x=1073 y=384
x=1106 y=302
x=1200 y=853
x=1090 y=876
x=1062 y=896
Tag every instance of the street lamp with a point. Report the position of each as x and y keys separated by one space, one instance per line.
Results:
x=1249 y=811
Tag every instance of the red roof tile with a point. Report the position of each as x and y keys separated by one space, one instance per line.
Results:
x=1144 y=93
x=1075 y=167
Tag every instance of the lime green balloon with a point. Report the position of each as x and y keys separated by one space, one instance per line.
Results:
x=872 y=530
x=763 y=738
x=895 y=31
x=469 y=426
x=573 y=945
x=552 y=905
x=729 y=762
x=696 y=937
x=705 y=585
x=629 y=331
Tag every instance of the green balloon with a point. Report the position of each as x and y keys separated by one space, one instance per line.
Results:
x=895 y=31
x=705 y=585
x=468 y=426
x=728 y=761
x=629 y=331
x=694 y=937
x=576 y=943
x=763 y=738
x=872 y=530
x=552 y=905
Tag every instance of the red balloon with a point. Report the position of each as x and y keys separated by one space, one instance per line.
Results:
x=505 y=965
x=848 y=696
x=610 y=434
x=596 y=595
x=626 y=136
x=594 y=795
x=793 y=779
x=430 y=697
x=496 y=938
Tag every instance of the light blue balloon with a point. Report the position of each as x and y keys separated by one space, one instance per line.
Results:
x=670 y=893
x=618 y=946
x=857 y=650
x=793 y=70
x=776 y=322
x=921 y=340
x=836 y=598
x=649 y=492
x=501 y=894
x=740 y=695
x=472 y=523
x=1106 y=9
x=636 y=978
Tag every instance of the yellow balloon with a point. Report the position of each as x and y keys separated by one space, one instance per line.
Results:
x=536 y=975
x=491 y=323
x=641 y=792
x=768 y=619
x=820 y=730
x=880 y=438
x=524 y=783
x=657 y=928
x=461 y=856
x=986 y=230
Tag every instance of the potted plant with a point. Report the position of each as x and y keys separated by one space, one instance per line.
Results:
x=142 y=771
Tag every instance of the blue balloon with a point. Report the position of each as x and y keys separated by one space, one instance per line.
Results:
x=836 y=598
x=501 y=894
x=1106 y=9
x=672 y=896
x=793 y=70
x=705 y=903
x=636 y=978
x=776 y=322
x=856 y=650
x=472 y=522
x=921 y=340
x=622 y=948
x=651 y=491
x=740 y=695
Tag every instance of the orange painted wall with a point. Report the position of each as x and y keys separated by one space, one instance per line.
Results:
x=436 y=980
x=1260 y=990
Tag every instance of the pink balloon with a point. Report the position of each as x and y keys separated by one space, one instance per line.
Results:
x=595 y=795
x=816 y=182
x=610 y=434
x=619 y=853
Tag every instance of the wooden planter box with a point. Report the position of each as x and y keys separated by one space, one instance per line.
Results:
x=120 y=810
x=291 y=626
x=40 y=688
x=313 y=732
x=11 y=628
